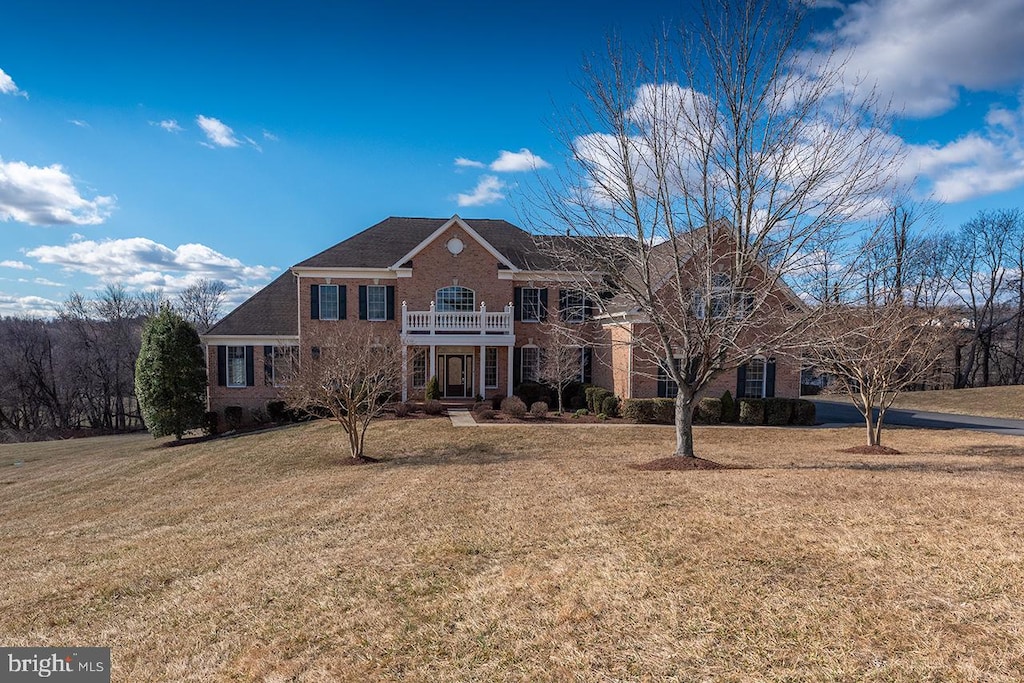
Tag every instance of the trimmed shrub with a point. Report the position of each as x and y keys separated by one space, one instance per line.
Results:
x=709 y=410
x=539 y=409
x=211 y=422
x=401 y=410
x=728 y=407
x=412 y=407
x=258 y=416
x=803 y=412
x=486 y=414
x=277 y=411
x=610 y=406
x=233 y=416
x=432 y=391
x=574 y=395
x=602 y=417
x=480 y=405
x=582 y=412
x=496 y=401
x=531 y=392
x=595 y=397
x=751 y=411
x=432 y=407
x=665 y=411
x=639 y=410
x=513 y=406
x=777 y=411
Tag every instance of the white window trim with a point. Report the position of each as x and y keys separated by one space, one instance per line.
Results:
x=523 y=292
x=227 y=371
x=337 y=301
x=437 y=301
x=764 y=377
x=522 y=363
x=487 y=352
x=579 y=313
x=384 y=303
x=286 y=351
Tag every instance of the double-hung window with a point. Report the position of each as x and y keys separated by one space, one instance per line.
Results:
x=376 y=302
x=491 y=367
x=419 y=367
x=530 y=363
x=531 y=305
x=236 y=366
x=755 y=381
x=283 y=362
x=574 y=306
x=329 y=302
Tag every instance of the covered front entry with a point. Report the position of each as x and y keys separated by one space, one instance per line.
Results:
x=456 y=377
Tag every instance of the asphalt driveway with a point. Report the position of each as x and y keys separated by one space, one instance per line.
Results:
x=831 y=412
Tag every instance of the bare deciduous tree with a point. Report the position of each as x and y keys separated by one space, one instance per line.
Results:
x=349 y=376
x=561 y=360
x=200 y=303
x=710 y=167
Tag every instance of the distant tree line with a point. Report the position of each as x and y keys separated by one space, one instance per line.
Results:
x=77 y=368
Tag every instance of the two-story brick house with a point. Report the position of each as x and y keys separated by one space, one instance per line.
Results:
x=467 y=298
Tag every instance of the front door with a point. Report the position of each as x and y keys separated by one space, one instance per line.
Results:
x=458 y=379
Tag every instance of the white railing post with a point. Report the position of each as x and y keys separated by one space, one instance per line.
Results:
x=433 y=318
x=483 y=318
x=405 y=319
x=509 y=317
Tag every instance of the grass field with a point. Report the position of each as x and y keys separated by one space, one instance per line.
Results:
x=520 y=554
x=986 y=401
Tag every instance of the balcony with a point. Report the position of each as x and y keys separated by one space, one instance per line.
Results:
x=482 y=322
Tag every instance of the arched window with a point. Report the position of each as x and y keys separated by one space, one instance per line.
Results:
x=455 y=298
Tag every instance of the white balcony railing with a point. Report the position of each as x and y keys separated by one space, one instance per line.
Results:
x=448 y=322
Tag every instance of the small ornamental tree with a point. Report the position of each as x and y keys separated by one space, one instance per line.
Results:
x=355 y=375
x=170 y=376
x=561 y=362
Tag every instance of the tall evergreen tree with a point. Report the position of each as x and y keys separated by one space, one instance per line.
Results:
x=170 y=379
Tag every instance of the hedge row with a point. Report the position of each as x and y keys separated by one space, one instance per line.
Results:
x=752 y=411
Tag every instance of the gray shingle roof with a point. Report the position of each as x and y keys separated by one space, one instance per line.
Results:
x=271 y=311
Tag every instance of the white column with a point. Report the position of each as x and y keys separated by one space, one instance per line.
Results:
x=508 y=392
x=433 y=362
x=483 y=362
x=405 y=365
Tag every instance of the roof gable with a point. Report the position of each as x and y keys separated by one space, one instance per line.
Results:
x=455 y=220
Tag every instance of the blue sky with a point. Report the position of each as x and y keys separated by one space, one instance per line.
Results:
x=156 y=144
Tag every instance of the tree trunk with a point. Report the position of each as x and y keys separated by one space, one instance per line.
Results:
x=684 y=426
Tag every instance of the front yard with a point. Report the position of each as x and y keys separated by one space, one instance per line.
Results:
x=520 y=554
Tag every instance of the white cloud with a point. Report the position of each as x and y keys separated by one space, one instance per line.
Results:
x=463 y=162
x=219 y=134
x=170 y=125
x=976 y=164
x=267 y=135
x=523 y=160
x=7 y=86
x=27 y=306
x=79 y=122
x=923 y=52
x=142 y=263
x=487 y=191
x=46 y=195
x=17 y=265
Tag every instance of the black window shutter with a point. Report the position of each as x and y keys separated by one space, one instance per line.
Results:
x=517 y=364
x=250 y=380
x=342 y=302
x=741 y=381
x=314 y=302
x=362 y=302
x=563 y=299
x=222 y=366
x=543 y=304
x=390 y=298
x=588 y=364
x=517 y=301
x=662 y=382
x=769 y=378
x=588 y=309
x=268 y=365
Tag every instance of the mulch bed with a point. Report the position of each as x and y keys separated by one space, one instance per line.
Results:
x=871 y=450
x=676 y=462
x=550 y=419
x=361 y=460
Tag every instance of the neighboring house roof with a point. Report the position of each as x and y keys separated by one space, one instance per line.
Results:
x=271 y=311
x=381 y=245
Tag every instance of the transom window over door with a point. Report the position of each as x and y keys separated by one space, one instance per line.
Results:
x=455 y=298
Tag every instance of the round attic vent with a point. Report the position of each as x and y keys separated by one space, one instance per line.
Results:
x=455 y=246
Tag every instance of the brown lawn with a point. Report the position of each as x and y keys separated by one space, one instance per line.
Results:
x=521 y=554
x=1005 y=402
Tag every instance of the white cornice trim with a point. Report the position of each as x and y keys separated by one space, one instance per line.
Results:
x=354 y=273
x=455 y=220
x=248 y=339
x=545 y=275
